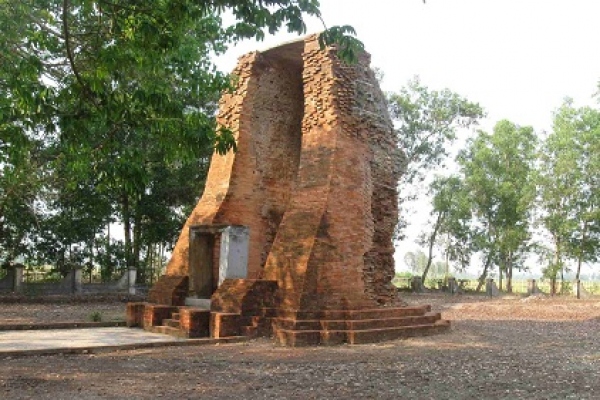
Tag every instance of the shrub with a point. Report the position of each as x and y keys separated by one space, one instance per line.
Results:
x=96 y=316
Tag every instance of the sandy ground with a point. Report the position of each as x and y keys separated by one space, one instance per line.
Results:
x=509 y=348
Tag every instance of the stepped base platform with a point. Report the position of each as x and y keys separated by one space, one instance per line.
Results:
x=304 y=328
x=295 y=338
x=290 y=327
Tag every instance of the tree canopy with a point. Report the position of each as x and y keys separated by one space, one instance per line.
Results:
x=426 y=123
x=107 y=112
x=569 y=186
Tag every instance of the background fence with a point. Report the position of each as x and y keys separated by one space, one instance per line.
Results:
x=36 y=283
x=519 y=286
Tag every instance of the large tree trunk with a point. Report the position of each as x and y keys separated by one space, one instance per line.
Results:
x=578 y=288
x=509 y=272
x=557 y=264
x=488 y=261
x=161 y=258
x=447 y=272
x=149 y=262
x=137 y=245
x=484 y=274
x=580 y=255
x=91 y=265
x=108 y=268
x=436 y=228
x=562 y=281
x=127 y=230
x=500 y=277
x=557 y=261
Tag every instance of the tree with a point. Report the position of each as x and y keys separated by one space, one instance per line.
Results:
x=21 y=178
x=416 y=261
x=452 y=213
x=498 y=170
x=569 y=186
x=123 y=90
x=426 y=123
x=121 y=63
x=75 y=214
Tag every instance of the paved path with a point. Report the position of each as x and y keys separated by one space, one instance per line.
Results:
x=57 y=339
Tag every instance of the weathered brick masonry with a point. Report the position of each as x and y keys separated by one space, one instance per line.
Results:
x=316 y=151
x=314 y=179
x=253 y=186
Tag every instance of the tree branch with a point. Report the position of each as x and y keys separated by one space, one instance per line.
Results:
x=68 y=45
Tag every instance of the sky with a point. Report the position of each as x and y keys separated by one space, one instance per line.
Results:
x=517 y=58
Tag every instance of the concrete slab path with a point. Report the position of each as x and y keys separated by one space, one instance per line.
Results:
x=93 y=340
x=12 y=341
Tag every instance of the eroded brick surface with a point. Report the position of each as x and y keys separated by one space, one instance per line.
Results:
x=244 y=296
x=135 y=315
x=314 y=178
x=154 y=314
x=194 y=322
x=170 y=290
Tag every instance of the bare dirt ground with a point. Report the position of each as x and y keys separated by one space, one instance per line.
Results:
x=29 y=313
x=510 y=348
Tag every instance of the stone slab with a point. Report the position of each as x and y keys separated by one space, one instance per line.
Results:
x=60 y=325
x=195 y=302
x=60 y=341
x=74 y=338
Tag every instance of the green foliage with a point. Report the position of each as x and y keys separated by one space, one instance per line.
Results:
x=426 y=123
x=452 y=206
x=21 y=178
x=96 y=316
x=498 y=170
x=348 y=47
x=569 y=186
x=416 y=261
x=107 y=115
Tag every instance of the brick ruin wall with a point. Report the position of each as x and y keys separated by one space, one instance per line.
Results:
x=314 y=178
x=369 y=119
x=252 y=186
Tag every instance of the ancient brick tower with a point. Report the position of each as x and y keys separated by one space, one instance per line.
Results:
x=314 y=182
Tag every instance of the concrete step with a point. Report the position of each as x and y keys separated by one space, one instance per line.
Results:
x=305 y=325
x=362 y=324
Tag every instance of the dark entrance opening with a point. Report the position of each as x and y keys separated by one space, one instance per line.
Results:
x=202 y=274
x=217 y=252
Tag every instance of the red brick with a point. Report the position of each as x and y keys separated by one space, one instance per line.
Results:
x=135 y=315
x=315 y=180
